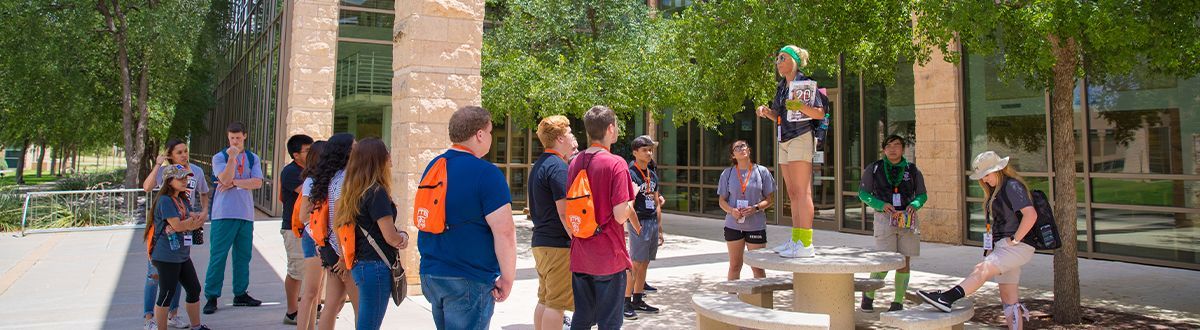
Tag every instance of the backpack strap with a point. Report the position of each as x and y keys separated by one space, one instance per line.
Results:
x=391 y=263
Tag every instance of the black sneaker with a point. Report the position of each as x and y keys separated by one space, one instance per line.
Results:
x=641 y=306
x=896 y=307
x=246 y=300
x=211 y=306
x=629 y=312
x=649 y=289
x=290 y=318
x=868 y=304
x=937 y=299
x=201 y=327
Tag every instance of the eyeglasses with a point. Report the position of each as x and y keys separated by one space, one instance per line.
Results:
x=779 y=58
x=740 y=147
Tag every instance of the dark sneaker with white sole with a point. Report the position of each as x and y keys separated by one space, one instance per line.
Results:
x=867 y=305
x=649 y=289
x=246 y=300
x=629 y=313
x=642 y=307
x=896 y=307
x=937 y=299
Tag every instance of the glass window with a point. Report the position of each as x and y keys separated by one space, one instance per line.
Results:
x=672 y=149
x=712 y=204
x=365 y=25
x=717 y=141
x=889 y=110
x=518 y=177
x=676 y=198
x=1144 y=123
x=520 y=146
x=374 y=4
x=852 y=135
x=1003 y=116
x=1146 y=234
x=694 y=143
x=1177 y=193
x=363 y=91
x=853 y=213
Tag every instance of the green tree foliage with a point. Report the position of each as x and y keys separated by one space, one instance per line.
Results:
x=1050 y=45
x=562 y=57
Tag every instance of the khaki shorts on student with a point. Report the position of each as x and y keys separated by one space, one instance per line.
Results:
x=800 y=148
x=894 y=239
x=1009 y=259
x=554 y=277
x=295 y=254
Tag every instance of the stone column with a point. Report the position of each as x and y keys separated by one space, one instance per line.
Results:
x=939 y=148
x=436 y=59
x=310 y=46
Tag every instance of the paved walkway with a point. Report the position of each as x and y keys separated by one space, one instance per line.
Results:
x=94 y=280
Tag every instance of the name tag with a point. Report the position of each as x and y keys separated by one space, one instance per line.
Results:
x=987 y=241
x=741 y=203
x=896 y=200
x=187 y=239
x=819 y=158
x=796 y=116
x=650 y=202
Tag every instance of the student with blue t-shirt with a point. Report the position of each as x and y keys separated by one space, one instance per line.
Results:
x=746 y=190
x=169 y=245
x=238 y=171
x=471 y=265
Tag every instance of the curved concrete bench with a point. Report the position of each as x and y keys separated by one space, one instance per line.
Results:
x=759 y=291
x=929 y=317
x=725 y=311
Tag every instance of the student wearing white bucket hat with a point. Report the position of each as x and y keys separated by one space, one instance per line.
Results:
x=1009 y=219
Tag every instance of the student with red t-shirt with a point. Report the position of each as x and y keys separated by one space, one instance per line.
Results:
x=598 y=263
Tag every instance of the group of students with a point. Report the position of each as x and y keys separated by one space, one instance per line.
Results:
x=184 y=202
x=338 y=213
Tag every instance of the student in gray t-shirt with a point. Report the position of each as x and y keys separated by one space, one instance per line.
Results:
x=238 y=171
x=745 y=192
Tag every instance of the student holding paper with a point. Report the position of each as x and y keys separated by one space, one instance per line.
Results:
x=795 y=105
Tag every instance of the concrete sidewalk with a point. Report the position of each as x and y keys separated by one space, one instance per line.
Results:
x=94 y=280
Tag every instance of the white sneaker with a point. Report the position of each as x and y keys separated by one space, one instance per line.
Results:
x=149 y=325
x=799 y=251
x=784 y=247
x=179 y=322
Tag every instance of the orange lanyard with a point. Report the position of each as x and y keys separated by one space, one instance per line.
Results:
x=183 y=211
x=551 y=151
x=240 y=160
x=463 y=148
x=601 y=147
x=645 y=174
x=745 y=180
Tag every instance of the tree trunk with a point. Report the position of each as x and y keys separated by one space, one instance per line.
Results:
x=54 y=155
x=41 y=158
x=133 y=125
x=21 y=162
x=1062 y=121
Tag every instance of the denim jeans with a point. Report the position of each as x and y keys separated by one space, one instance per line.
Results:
x=374 y=281
x=458 y=303
x=599 y=300
x=151 y=292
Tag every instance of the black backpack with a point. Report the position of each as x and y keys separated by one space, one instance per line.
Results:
x=1044 y=234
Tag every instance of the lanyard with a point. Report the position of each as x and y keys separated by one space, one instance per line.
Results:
x=551 y=151
x=645 y=174
x=240 y=160
x=744 y=180
x=183 y=211
x=463 y=148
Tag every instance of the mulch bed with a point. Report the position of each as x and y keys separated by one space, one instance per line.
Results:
x=1093 y=318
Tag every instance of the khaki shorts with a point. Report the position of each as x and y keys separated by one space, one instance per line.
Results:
x=295 y=254
x=800 y=148
x=554 y=277
x=1009 y=259
x=894 y=239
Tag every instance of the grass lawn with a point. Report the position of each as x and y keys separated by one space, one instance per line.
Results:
x=30 y=179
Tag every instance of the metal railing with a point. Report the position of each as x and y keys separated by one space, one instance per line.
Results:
x=79 y=210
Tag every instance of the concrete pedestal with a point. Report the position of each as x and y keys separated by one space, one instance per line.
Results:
x=830 y=294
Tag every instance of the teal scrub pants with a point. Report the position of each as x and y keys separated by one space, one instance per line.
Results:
x=237 y=234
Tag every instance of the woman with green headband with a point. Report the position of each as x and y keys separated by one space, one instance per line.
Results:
x=793 y=112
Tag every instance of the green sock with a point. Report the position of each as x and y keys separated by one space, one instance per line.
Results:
x=875 y=276
x=901 y=286
x=803 y=235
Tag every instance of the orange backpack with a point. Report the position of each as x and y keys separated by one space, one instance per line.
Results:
x=581 y=211
x=318 y=221
x=429 y=207
x=297 y=226
x=346 y=236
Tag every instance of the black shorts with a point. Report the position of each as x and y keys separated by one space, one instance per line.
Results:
x=752 y=237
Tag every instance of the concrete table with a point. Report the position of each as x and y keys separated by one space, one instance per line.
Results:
x=824 y=284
